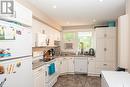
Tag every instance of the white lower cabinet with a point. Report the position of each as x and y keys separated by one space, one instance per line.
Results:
x=64 y=66
x=38 y=75
x=91 y=66
x=71 y=65
x=58 y=65
x=100 y=66
x=67 y=65
x=80 y=65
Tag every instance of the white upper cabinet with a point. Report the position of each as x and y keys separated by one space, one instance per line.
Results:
x=106 y=44
x=41 y=39
x=110 y=50
x=100 y=33
x=100 y=46
x=110 y=33
x=106 y=49
x=21 y=15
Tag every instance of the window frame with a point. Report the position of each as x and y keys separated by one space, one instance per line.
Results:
x=75 y=41
x=92 y=38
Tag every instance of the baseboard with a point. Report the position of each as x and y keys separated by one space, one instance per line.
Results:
x=91 y=74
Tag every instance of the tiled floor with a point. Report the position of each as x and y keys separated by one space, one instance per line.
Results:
x=78 y=81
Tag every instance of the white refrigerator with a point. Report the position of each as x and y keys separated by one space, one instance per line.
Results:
x=15 y=55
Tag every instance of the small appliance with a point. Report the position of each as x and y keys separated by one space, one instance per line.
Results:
x=91 y=52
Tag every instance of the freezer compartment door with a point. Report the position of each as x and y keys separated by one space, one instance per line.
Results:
x=21 y=45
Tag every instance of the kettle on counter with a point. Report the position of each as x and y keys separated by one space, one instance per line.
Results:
x=91 y=52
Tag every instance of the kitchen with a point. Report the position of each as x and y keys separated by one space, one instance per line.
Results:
x=53 y=44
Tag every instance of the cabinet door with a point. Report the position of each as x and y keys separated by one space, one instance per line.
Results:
x=38 y=82
x=110 y=52
x=58 y=61
x=109 y=66
x=71 y=65
x=80 y=65
x=100 y=32
x=91 y=65
x=99 y=67
x=38 y=77
x=111 y=33
x=64 y=66
x=100 y=47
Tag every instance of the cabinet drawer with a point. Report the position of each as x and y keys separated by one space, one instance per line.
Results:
x=105 y=66
x=109 y=66
x=99 y=64
x=91 y=59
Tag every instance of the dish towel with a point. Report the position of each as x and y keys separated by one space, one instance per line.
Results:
x=52 y=69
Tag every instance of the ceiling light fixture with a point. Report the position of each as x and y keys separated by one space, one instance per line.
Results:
x=54 y=6
x=101 y=0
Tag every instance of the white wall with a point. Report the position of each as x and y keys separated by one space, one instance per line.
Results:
x=49 y=31
x=40 y=15
x=128 y=12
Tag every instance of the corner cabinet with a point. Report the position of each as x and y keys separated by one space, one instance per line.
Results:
x=106 y=49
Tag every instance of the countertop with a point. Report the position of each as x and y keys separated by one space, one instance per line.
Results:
x=75 y=56
x=117 y=79
x=40 y=63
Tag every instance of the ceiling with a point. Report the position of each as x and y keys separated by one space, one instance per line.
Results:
x=81 y=12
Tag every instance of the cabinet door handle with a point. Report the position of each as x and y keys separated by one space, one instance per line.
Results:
x=105 y=64
x=105 y=49
x=88 y=62
x=15 y=14
x=73 y=62
x=60 y=62
x=45 y=73
x=105 y=35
